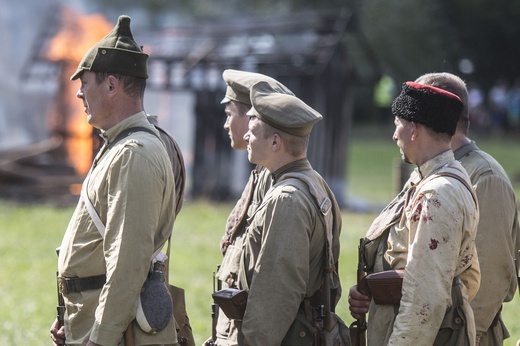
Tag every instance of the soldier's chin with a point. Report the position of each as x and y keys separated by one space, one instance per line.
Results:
x=249 y=157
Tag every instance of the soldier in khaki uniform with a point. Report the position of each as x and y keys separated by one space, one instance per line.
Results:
x=428 y=230
x=498 y=238
x=131 y=188
x=282 y=259
x=238 y=102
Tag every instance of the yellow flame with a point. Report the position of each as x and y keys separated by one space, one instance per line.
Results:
x=77 y=34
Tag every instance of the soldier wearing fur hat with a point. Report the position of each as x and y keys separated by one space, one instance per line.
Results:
x=498 y=224
x=285 y=258
x=127 y=208
x=428 y=231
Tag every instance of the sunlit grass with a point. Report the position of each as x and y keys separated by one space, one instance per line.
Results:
x=30 y=234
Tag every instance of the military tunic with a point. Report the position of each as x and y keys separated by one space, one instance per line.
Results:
x=282 y=255
x=132 y=189
x=434 y=239
x=498 y=241
x=258 y=184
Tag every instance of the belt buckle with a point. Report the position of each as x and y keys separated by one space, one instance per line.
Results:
x=62 y=285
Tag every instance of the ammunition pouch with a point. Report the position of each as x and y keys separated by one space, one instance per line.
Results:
x=454 y=329
x=317 y=328
x=383 y=287
x=301 y=331
x=232 y=302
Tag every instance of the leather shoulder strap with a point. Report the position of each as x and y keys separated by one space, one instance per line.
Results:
x=463 y=181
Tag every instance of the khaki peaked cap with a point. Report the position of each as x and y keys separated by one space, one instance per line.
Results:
x=239 y=84
x=284 y=112
x=116 y=53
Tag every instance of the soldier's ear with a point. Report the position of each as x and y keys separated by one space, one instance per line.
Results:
x=276 y=141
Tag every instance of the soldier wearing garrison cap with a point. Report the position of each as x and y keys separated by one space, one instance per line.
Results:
x=127 y=207
x=428 y=231
x=284 y=259
x=237 y=100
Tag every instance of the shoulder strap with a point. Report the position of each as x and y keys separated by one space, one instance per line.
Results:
x=181 y=187
x=325 y=207
x=88 y=203
x=463 y=181
x=130 y=130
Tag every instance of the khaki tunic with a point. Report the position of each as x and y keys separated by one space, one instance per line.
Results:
x=435 y=241
x=258 y=184
x=498 y=241
x=281 y=259
x=131 y=187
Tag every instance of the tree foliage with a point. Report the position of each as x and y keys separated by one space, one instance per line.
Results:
x=408 y=37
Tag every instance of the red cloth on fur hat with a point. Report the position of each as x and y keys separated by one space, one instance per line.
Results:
x=424 y=104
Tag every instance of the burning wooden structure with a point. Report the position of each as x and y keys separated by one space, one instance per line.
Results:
x=305 y=51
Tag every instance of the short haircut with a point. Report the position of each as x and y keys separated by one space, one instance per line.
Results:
x=455 y=85
x=133 y=86
x=294 y=145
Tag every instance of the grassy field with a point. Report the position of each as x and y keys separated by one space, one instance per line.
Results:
x=30 y=235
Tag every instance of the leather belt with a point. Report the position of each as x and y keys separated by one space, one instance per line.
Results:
x=71 y=285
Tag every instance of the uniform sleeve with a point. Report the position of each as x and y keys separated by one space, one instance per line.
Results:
x=497 y=226
x=136 y=186
x=435 y=221
x=281 y=274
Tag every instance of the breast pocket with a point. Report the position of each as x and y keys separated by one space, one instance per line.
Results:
x=228 y=271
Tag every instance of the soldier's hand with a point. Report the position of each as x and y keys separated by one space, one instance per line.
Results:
x=358 y=303
x=57 y=334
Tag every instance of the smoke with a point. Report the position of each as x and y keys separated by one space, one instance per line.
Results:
x=22 y=106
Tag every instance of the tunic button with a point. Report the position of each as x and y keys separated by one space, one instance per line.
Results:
x=103 y=51
x=302 y=334
x=458 y=320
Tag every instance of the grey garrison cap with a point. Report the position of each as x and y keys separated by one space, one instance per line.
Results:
x=239 y=84
x=115 y=53
x=284 y=112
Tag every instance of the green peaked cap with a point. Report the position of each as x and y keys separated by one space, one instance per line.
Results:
x=282 y=111
x=115 y=53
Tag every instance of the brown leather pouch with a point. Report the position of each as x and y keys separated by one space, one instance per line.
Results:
x=384 y=287
x=232 y=302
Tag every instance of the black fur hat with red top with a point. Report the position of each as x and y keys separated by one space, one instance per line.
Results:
x=424 y=104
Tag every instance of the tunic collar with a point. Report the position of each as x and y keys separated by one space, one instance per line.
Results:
x=465 y=150
x=433 y=165
x=295 y=166
x=137 y=119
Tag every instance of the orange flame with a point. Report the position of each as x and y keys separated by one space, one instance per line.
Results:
x=77 y=34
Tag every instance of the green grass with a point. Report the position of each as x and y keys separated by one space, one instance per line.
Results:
x=30 y=234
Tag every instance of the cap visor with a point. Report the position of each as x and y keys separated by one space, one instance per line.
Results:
x=225 y=100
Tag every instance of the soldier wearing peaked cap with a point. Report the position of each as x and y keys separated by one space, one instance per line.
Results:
x=428 y=231
x=127 y=207
x=285 y=259
x=237 y=100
